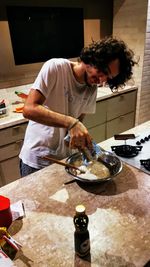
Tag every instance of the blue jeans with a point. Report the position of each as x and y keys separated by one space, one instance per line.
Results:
x=26 y=169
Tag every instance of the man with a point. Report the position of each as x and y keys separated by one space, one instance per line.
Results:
x=63 y=92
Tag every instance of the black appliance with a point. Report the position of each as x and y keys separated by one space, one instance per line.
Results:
x=137 y=152
x=145 y=163
x=126 y=151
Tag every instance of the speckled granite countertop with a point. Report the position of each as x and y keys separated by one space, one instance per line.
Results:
x=119 y=218
x=17 y=118
x=12 y=119
x=105 y=92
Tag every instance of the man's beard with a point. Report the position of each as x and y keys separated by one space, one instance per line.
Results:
x=86 y=79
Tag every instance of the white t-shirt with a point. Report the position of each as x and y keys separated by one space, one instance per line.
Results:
x=64 y=94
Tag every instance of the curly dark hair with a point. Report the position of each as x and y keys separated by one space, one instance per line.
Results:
x=100 y=54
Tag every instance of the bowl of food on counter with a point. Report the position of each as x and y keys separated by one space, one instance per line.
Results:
x=104 y=166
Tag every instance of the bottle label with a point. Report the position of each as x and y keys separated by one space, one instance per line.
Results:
x=82 y=244
x=85 y=246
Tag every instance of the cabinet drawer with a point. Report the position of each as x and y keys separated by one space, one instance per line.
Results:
x=120 y=124
x=11 y=173
x=99 y=117
x=98 y=133
x=1 y=180
x=11 y=150
x=122 y=104
x=12 y=134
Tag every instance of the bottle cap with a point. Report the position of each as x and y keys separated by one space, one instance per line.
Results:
x=80 y=208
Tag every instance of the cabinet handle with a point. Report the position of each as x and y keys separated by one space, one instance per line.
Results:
x=19 y=142
x=121 y=97
x=16 y=127
x=121 y=117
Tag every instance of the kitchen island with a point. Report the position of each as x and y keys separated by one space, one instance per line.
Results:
x=118 y=211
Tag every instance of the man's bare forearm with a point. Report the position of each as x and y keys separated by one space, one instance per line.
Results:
x=48 y=117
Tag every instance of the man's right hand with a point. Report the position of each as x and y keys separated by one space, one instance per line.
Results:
x=80 y=137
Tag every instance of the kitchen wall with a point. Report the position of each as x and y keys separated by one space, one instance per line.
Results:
x=97 y=13
x=144 y=105
x=131 y=22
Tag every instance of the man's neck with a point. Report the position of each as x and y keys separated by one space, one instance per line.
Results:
x=78 y=71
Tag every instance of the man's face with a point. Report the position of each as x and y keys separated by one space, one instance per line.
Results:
x=94 y=76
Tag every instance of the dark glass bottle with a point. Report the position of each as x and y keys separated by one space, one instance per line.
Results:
x=81 y=234
x=8 y=248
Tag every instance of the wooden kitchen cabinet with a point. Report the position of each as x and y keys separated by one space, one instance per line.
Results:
x=120 y=124
x=96 y=122
x=1 y=181
x=98 y=133
x=120 y=113
x=11 y=140
x=113 y=116
x=120 y=105
x=99 y=117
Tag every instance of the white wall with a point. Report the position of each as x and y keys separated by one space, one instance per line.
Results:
x=129 y=24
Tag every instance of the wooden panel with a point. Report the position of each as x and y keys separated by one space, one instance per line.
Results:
x=1 y=180
x=11 y=150
x=11 y=140
x=99 y=117
x=12 y=173
x=12 y=134
x=91 y=30
x=120 y=124
x=121 y=104
x=98 y=133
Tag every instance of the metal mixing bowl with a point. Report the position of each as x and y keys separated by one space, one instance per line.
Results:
x=110 y=160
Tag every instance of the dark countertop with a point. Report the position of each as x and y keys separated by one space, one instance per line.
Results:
x=118 y=210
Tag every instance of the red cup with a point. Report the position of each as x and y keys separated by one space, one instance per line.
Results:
x=5 y=212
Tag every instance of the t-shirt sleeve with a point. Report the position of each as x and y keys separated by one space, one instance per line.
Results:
x=46 y=78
